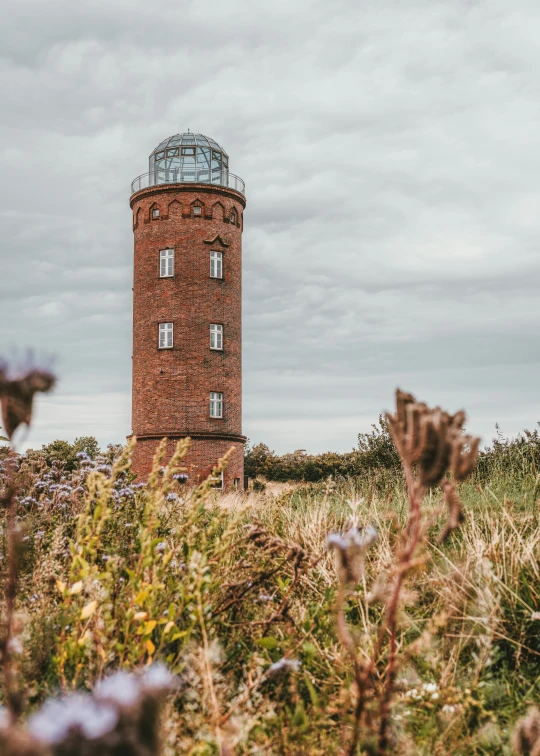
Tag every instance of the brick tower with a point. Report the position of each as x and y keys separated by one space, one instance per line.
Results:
x=187 y=306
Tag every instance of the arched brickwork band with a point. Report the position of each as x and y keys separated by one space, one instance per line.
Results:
x=187 y=329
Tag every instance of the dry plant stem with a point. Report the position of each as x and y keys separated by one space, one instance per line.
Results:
x=208 y=667
x=362 y=676
x=8 y=504
x=416 y=494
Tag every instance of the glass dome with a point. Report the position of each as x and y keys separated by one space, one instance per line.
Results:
x=188 y=158
x=194 y=156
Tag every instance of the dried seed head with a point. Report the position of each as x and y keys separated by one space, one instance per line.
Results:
x=432 y=440
x=17 y=390
x=526 y=736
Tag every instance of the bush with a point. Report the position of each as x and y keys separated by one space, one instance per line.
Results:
x=65 y=455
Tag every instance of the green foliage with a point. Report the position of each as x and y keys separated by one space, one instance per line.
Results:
x=223 y=589
x=375 y=451
x=64 y=454
x=510 y=457
x=376 y=459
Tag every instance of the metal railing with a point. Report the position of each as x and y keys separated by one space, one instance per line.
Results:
x=188 y=176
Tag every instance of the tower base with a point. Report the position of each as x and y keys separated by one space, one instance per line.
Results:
x=203 y=454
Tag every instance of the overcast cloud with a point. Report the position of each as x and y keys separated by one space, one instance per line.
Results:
x=391 y=153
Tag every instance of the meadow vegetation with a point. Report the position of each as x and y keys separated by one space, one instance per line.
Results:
x=390 y=609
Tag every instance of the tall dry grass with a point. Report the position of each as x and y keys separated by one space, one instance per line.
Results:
x=239 y=596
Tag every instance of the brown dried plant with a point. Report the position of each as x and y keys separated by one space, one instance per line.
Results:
x=526 y=735
x=431 y=444
x=17 y=391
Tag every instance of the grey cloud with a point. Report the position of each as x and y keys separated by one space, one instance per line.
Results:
x=391 y=158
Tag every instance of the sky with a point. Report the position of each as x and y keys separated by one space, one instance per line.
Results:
x=391 y=154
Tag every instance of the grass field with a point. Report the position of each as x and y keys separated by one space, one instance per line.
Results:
x=238 y=596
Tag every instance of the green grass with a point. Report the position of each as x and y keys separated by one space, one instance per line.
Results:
x=240 y=603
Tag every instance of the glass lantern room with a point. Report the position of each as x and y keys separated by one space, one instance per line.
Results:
x=195 y=156
x=188 y=158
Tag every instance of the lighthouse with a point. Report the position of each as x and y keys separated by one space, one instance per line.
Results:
x=188 y=213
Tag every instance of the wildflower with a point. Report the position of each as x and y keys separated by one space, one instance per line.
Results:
x=77 y=714
x=15 y=646
x=157 y=679
x=412 y=693
x=351 y=547
x=535 y=616
x=4 y=718
x=121 y=689
x=284 y=665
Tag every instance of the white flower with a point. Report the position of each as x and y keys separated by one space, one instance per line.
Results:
x=121 y=688
x=351 y=547
x=15 y=646
x=157 y=679
x=284 y=665
x=77 y=713
x=412 y=693
x=335 y=541
x=5 y=719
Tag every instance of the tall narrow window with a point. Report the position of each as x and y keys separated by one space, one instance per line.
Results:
x=165 y=335
x=216 y=336
x=216 y=264
x=155 y=212
x=166 y=263
x=216 y=404
x=217 y=480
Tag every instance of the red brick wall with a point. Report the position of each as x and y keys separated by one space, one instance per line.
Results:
x=171 y=387
x=202 y=456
